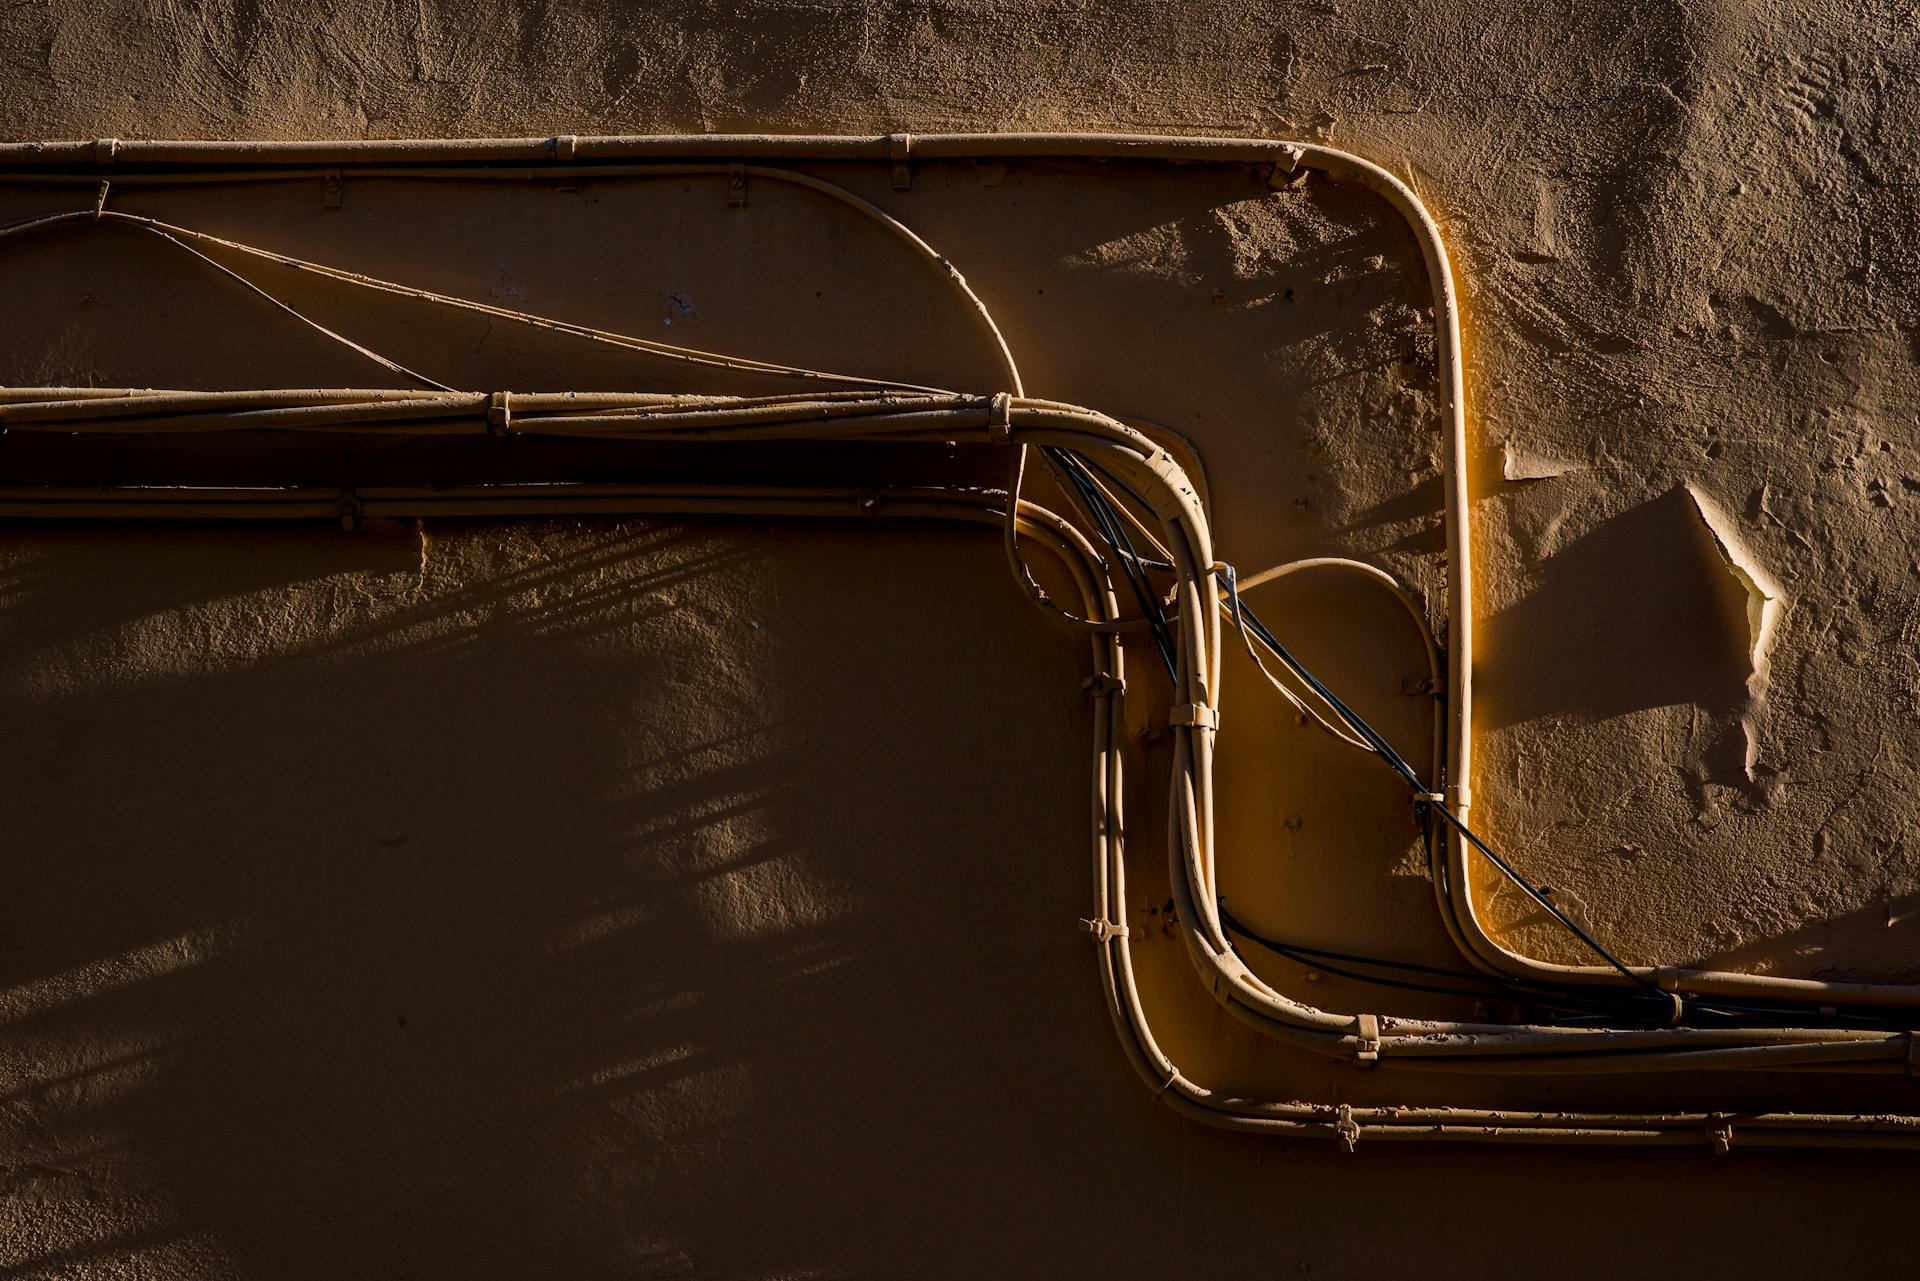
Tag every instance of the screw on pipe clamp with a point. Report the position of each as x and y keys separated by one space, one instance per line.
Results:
x=1103 y=684
x=500 y=413
x=1000 y=418
x=1666 y=980
x=1105 y=931
x=1197 y=715
x=1346 y=1129
x=1286 y=170
x=1368 y=1055
x=899 y=151
x=1720 y=1134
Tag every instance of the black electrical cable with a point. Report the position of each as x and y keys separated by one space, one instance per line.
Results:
x=1516 y=991
x=1075 y=466
x=1113 y=532
x=1611 y=1005
x=1399 y=765
x=1233 y=923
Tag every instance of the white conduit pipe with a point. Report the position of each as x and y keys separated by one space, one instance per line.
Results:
x=1191 y=815
x=1153 y=472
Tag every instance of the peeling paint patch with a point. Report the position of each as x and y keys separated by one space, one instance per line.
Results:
x=1764 y=597
x=1518 y=463
x=1750 y=732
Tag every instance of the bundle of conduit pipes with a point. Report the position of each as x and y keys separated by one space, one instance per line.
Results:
x=1137 y=529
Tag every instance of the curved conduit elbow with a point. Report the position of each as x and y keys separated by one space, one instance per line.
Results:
x=876 y=412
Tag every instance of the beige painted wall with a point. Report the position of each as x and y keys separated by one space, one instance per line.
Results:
x=631 y=898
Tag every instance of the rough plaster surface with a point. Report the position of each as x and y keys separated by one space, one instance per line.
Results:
x=679 y=1001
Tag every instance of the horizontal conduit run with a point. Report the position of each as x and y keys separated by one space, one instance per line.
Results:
x=1120 y=479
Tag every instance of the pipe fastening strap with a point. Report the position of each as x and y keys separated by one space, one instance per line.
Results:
x=1104 y=683
x=1368 y=1054
x=1166 y=505
x=500 y=412
x=1229 y=969
x=1105 y=931
x=563 y=147
x=1000 y=418
x=1345 y=1128
x=1198 y=715
x=899 y=149
x=1720 y=1134
x=104 y=150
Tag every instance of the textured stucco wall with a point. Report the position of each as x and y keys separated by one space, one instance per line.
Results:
x=610 y=898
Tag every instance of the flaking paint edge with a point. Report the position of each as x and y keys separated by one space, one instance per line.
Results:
x=1765 y=603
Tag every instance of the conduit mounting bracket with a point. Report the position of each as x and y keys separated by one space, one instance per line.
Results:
x=1368 y=1055
x=899 y=149
x=1105 y=931
x=1346 y=1129
x=1286 y=171
x=1720 y=1134
x=1198 y=715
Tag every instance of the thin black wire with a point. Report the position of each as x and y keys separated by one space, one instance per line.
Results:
x=1385 y=749
x=1399 y=765
x=1113 y=532
x=1076 y=465
x=1610 y=1006
x=1233 y=923
x=1519 y=992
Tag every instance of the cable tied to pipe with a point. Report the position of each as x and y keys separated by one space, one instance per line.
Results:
x=1166 y=491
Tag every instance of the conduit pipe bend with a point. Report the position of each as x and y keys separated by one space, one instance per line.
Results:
x=1154 y=473
x=777 y=414
x=1109 y=922
x=1003 y=421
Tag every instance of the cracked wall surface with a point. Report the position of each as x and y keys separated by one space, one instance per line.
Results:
x=594 y=898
